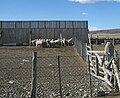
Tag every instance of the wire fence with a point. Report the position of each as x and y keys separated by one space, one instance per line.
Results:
x=57 y=76
x=81 y=47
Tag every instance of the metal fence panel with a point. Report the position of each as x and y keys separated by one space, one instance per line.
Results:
x=22 y=36
x=44 y=29
x=34 y=24
x=57 y=24
x=6 y=24
x=35 y=34
x=8 y=36
x=51 y=34
x=62 y=24
x=42 y=24
x=76 y=24
x=46 y=33
x=81 y=48
x=69 y=24
x=25 y=24
x=18 y=24
x=84 y=35
x=57 y=33
x=42 y=33
x=68 y=33
x=51 y=24
x=81 y=34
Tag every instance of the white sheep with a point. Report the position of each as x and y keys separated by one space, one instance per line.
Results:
x=47 y=42
x=64 y=42
x=52 y=43
x=39 y=42
x=58 y=42
x=33 y=42
x=69 y=42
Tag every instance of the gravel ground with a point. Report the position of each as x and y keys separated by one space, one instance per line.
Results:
x=15 y=72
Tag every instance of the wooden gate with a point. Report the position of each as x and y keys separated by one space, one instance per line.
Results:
x=104 y=66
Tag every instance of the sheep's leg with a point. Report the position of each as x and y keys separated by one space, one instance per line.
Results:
x=36 y=44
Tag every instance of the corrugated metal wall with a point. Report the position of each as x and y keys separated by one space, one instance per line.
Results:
x=19 y=31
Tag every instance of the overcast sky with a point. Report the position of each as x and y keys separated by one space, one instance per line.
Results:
x=101 y=14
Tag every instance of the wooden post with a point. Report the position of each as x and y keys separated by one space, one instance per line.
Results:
x=86 y=57
x=116 y=72
x=90 y=84
x=114 y=84
x=97 y=66
x=113 y=42
x=60 y=77
x=81 y=50
x=109 y=50
x=90 y=41
x=34 y=75
x=97 y=40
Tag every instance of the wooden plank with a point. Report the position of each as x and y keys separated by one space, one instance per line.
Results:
x=96 y=52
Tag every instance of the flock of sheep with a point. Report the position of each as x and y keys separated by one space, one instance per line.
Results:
x=52 y=43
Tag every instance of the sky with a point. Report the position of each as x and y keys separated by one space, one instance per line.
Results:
x=100 y=14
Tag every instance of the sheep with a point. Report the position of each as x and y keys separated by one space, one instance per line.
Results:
x=52 y=43
x=57 y=42
x=44 y=43
x=39 y=42
x=69 y=42
x=63 y=42
x=47 y=42
x=33 y=42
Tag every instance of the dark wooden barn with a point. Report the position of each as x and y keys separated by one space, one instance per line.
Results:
x=21 y=32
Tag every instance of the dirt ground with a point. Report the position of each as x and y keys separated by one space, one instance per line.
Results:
x=16 y=71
